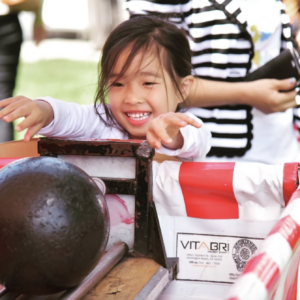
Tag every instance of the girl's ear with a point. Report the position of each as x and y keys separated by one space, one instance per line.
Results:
x=186 y=83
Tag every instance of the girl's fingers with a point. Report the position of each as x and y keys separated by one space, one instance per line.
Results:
x=18 y=107
x=27 y=137
x=9 y=101
x=176 y=119
x=153 y=140
x=158 y=136
x=31 y=132
x=164 y=137
x=182 y=120
x=165 y=127
x=31 y=121
x=195 y=123
x=15 y=114
x=16 y=110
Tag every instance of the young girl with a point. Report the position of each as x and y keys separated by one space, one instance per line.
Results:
x=145 y=72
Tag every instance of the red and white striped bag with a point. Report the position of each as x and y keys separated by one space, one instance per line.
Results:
x=247 y=191
x=215 y=218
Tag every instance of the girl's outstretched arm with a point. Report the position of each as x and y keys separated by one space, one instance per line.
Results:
x=37 y=114
x=164 y=130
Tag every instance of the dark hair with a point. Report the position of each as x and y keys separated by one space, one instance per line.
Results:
x=143 y=33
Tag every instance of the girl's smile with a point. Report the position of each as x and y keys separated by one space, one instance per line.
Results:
x=138 y=118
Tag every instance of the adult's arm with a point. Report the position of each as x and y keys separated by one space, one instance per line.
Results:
x=34 y=6
x=264 y=94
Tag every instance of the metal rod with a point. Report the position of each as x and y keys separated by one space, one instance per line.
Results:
x=2 y=290
x=106 y=263
x=7 y=295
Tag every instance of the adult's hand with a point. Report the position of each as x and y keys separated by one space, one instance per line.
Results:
x=268 y=95
x=35 y=6
x=39 y=33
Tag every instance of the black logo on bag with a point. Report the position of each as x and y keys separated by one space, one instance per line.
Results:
x=242 y=252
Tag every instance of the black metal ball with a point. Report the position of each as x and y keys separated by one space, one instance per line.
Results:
x=54 y=225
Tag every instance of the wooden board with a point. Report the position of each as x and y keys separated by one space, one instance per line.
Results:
x=162 y=157
x=131 y=279
x=125 y=280
x=29 y=149
x=18 y=149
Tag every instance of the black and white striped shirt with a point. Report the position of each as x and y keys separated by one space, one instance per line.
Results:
x=222 y=49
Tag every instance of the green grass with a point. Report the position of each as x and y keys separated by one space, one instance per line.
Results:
x=72 y=81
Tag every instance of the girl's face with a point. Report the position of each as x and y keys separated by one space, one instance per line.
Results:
x=143 y=93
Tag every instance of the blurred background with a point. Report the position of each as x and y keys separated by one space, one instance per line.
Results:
x=64 y=65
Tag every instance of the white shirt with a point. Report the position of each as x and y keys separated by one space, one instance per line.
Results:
x=264 y=25
x=73 y=121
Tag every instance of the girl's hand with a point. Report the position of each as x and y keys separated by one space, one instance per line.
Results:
x=37 y=114
x=165 y=130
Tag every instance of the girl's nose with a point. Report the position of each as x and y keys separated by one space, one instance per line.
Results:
x=133 y=98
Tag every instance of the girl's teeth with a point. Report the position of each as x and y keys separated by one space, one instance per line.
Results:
x=138 y=116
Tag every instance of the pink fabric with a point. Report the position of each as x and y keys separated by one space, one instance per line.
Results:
x=290 y=184
x=6 y=161
x=118 y=211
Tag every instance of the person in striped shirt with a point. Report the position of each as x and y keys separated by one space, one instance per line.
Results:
x=249 y=121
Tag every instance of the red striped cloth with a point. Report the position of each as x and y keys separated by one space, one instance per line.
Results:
x=276 y=263
x=248 y=191
x=5 y=161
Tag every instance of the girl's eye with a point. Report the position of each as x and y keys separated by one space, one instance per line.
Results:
x=116 y=84
x=149 y=83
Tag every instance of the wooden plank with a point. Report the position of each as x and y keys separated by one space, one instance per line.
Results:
x=104 y=266
x=162 y=157
x=125 y=148
x=155 y=286
x=125 y=281
x=19 y=149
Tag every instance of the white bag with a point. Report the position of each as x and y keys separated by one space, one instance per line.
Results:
x=215 y=217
